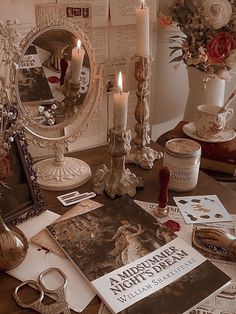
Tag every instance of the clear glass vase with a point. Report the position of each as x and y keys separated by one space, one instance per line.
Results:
x=13 y=246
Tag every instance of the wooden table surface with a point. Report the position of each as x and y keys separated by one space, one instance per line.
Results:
x=95 y=157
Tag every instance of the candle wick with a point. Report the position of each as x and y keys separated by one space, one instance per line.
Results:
x=142 y=5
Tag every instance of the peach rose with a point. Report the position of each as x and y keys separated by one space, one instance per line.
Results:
x=219 y=47
x=165 y=20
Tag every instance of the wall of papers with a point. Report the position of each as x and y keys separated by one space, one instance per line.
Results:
x=111 y=29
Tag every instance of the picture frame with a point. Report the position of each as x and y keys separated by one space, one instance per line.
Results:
x=21 y=197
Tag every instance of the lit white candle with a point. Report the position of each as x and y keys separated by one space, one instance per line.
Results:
x=142 y=30
x=120 y=108
x=76 y=62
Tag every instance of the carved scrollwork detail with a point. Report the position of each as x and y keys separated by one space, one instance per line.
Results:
x=140 y=154
x=143 y=68
x=119 y=142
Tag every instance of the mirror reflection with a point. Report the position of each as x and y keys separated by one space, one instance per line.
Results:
x=53 y=63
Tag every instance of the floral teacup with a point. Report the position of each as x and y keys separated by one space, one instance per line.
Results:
x=210 y=120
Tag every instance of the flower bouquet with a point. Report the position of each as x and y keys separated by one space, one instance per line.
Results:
x=10 y=125
x=209 y=41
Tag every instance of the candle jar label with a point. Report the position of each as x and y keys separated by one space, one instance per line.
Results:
x=182 y=179
x=182 y=157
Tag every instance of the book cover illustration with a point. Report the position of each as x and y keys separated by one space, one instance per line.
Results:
x=33 y=83
x=134 y=262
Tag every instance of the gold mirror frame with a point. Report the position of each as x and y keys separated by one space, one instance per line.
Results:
x=60 y=172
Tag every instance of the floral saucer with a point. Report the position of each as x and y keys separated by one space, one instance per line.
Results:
x=225 y=135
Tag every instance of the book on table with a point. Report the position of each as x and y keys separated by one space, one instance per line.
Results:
x=134 y=262
x=34 y=88
x=220 y=157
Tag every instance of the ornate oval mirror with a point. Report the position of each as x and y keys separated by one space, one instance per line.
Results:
x=58 y=88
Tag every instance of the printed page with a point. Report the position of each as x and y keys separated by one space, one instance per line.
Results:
x=122 y=48
x=96 y=133
x=99 y=40
x=80 y=14
x=112 y=67
x=123 y=11
x=222 y=303
x=122 y=41
x=16 y=10
x=99 y=10
x=98 y=36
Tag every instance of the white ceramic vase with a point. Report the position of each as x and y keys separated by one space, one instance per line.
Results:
x=211 y=92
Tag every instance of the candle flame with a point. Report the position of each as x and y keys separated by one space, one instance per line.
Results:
x=120 y=83
x=142 y=4
x=78 y=44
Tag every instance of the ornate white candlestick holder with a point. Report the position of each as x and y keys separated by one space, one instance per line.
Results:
x=117 y=180
x=141 y=154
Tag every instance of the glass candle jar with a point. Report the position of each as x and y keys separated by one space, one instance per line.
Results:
x=182 y=157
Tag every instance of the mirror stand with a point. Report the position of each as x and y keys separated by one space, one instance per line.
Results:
x=61 y=173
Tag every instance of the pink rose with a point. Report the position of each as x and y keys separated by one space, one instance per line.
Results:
x=219 y=47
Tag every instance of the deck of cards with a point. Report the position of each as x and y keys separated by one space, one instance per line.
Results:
x=202 y=209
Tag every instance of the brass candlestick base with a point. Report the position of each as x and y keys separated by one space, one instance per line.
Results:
x=140 y=154
x=143 y=156
x=117 y=180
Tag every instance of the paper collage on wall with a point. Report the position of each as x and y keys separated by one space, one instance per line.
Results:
x=108 y=43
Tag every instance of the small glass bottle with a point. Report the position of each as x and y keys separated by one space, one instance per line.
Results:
x=182 y=157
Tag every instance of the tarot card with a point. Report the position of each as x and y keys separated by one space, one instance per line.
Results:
x=202 y=209
x=74 y=197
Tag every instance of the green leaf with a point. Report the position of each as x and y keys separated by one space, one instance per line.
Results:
x=191 y=6
x=174 y=47
x=182 y=14
x=175 y=36
x=177 y=59
x=174 y=50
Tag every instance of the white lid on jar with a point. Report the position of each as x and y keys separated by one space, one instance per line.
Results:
x=183 y=147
